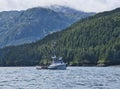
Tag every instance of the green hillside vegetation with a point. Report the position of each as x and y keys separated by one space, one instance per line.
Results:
x=91 y=41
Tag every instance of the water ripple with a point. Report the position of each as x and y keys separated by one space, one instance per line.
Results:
x=72 y=78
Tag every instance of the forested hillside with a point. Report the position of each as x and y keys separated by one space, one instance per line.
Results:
x=91 y=41
x=19 y=27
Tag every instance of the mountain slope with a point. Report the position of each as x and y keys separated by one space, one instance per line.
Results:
x=70 y=13
x=19 y=27
x=91 y=41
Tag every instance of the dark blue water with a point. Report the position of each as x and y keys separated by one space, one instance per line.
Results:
x=72 y=78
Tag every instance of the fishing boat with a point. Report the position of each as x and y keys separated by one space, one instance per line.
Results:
x=57 y=64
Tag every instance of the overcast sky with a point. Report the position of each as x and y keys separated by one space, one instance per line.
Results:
x=84 y=5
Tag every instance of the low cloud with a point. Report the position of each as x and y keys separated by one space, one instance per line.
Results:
x=84 y=5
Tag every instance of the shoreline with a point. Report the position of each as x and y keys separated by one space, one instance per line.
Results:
x=71 y=66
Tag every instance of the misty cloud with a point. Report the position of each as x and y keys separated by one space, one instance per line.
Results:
x=84 y=5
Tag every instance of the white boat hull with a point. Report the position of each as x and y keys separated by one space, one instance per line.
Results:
x=57 y=67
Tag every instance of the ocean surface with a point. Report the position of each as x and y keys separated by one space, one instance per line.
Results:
x=72 y=78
